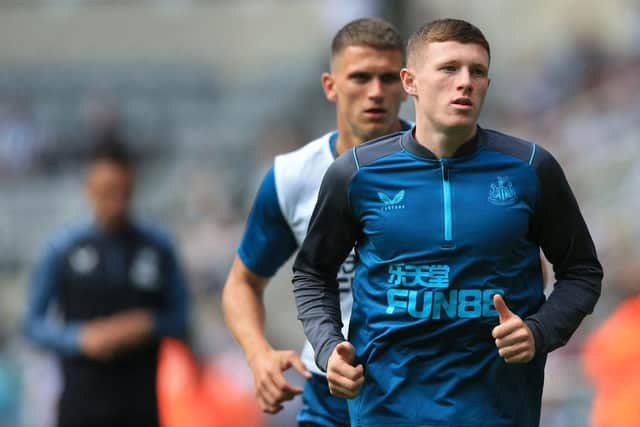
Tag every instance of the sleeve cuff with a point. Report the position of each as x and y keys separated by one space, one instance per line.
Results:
x=538 y=334
x=71 y=338
x=256 y=269
x=324 y=352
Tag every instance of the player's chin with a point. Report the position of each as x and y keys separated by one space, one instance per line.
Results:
x=373 y=130
x=463 y=118
x=459 y=124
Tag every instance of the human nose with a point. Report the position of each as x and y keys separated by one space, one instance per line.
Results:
x=376 y=89
x=464 y=80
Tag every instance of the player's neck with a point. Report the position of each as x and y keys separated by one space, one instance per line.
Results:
x=112 y=225
x=346 y=140
x=444 y=143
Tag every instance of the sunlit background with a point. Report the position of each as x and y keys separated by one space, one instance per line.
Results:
x=207 y=92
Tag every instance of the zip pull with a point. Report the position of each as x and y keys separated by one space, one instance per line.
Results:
x=447 y=208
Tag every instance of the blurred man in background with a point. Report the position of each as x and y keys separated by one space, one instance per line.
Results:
x=117 y=288
x=449 y=325
x=364 y=83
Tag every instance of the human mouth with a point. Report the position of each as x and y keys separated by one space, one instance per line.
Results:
x=462 y=103
x=375 y=113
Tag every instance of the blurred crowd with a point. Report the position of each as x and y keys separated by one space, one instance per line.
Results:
x=204 y=148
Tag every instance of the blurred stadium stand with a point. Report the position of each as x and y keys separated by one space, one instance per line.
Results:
x=209 y=91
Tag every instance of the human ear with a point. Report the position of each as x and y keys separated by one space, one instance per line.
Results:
x=329 y=87
x=408 y=81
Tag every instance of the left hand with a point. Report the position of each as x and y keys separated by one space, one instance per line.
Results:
x=344 y=379
x=96 y=342
x=513 y=337
x=130 y=328
x=104 y=337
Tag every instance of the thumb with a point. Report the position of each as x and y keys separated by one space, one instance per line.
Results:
x=346 y=351
x=503 y=311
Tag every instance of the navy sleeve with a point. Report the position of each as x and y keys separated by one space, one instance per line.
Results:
x=172 y=320
x=332 y=233
x=268 y=240
x=40 y=327
x=561 y=232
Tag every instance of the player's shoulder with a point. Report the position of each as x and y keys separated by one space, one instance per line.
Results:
x=530 y=152
x=520 y=148
x=377 y=148
x=301 y=171
x=320 y=145
x=317 y=150
x=492 y=136
x=70 y=236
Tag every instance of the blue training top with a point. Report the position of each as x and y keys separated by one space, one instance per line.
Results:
x=435 y=240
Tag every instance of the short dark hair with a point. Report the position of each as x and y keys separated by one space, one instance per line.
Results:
x=114 y=150
x=372 y=32
x=442 y=30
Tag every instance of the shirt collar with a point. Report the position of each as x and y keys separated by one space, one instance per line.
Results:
x=410 y=144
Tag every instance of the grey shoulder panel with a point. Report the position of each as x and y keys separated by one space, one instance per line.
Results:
x=377 y=148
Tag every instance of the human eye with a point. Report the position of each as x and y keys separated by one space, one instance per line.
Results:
x=390 y=78
x=479 y=72
x=360 y=77
x=448 y=68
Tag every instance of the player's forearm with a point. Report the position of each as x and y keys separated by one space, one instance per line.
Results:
x=62 y=338
x=318 y=305
x=105 y=337
x=244 y=313
x=565 y=239
x=130 y=329
x=333 y=231
x=571 y=300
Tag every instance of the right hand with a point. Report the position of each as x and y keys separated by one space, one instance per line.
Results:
x=345 y=380
x=96 y=340
x=272 y=388
x=513 y=338
x=104 y=337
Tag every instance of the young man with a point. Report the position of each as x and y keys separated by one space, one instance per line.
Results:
x=118 y=288
x=449 y=324
x=364 y=83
